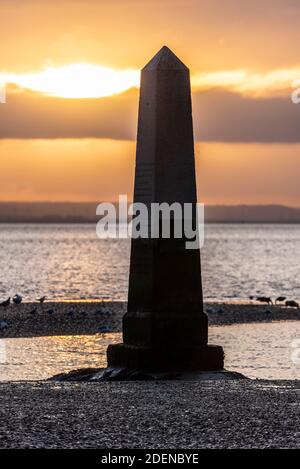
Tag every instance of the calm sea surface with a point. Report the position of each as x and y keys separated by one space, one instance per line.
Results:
x=70 y=262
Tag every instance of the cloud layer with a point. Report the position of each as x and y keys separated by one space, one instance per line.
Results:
x=219 y=115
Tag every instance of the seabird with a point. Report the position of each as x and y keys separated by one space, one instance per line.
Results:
x=5 y=303
x=264 y=299
x=17 y=299
x=292 y=304
x=42 y=299
x=104 y=329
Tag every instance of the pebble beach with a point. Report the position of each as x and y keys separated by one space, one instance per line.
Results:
x=206 y=414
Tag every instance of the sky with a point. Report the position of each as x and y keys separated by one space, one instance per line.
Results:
x=71 y=69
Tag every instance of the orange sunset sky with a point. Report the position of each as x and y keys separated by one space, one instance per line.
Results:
x=71 y=70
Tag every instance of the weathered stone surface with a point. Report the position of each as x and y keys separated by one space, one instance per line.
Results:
x=165 y=327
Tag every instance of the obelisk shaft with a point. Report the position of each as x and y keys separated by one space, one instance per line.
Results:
x=165 y=327
x=165 y=172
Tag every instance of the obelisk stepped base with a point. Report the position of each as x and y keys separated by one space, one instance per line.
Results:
x=166 y=359
x=167 y=329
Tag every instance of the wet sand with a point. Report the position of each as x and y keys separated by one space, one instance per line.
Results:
x=150 y=415
x=76 y=318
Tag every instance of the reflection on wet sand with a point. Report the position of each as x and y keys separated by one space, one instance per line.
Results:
x=256 y=350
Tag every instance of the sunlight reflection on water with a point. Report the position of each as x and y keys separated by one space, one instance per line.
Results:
x=257 y=350
x=70 y=262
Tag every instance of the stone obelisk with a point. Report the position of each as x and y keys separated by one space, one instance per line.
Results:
x=165 y=328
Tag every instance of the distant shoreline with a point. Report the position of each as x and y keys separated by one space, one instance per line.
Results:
x=85 y=212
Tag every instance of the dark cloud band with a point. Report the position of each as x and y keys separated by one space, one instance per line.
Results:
x=218 y=116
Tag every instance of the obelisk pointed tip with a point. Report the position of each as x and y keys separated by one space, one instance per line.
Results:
x=165 y=59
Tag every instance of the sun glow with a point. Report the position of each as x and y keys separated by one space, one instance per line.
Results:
x=95 y=81
x=76 y=81
x=248 y=83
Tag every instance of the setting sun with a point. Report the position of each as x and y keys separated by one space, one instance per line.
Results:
x=76 y=81
x=83 y=80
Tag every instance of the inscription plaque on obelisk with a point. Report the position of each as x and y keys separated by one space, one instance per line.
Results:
x=165 y=328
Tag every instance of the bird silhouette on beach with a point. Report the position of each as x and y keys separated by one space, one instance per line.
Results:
x=292 y=304
x=5 y=303
x=280 y=299
x=17 y=299
x=42 y=299
x=264 y=299
x=104 y=329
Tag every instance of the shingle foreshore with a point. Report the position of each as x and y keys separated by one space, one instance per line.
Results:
x=150 y=415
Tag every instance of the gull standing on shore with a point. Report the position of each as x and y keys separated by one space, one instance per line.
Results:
x=292 y=304
x=5 y=303
x=264 y=299
x=17 y=299
x=280 y=299
x=42 y=299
